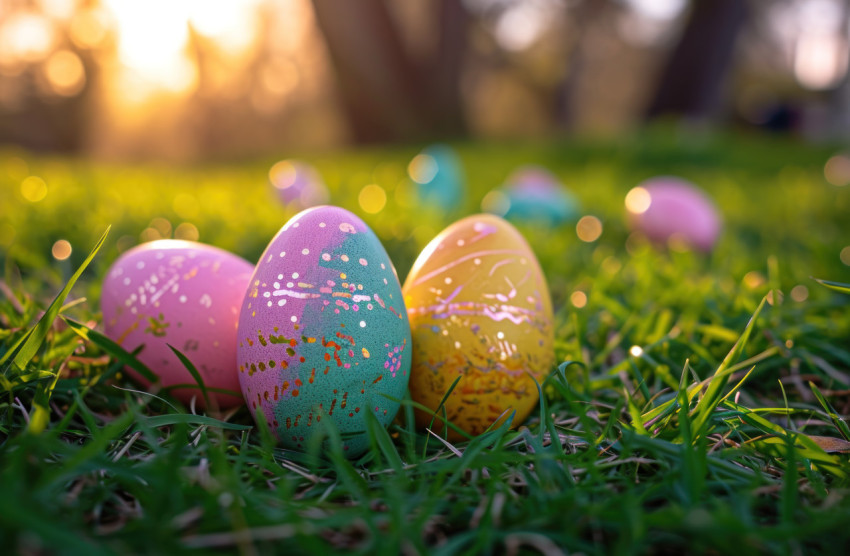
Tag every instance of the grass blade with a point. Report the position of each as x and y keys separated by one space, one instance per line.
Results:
x=193 y=371
x=713 y=394
x=30 y=347
x=835 y=286
x=836 y=419
x=113 y=349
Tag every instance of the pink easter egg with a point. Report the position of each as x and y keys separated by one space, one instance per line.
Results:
x=666 y=208
x=185 y=294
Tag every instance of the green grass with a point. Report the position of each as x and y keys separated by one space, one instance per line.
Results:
x=712 y=439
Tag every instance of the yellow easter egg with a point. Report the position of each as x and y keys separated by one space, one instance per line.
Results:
x=479 y=309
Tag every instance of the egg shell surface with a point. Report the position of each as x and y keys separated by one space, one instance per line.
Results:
x=479 y=309
x=536 y=195
x=185 y=294
x=323 y=331
x=299 y=183
x=677 y=208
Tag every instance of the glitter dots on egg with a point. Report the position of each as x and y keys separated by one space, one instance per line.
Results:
x=184 y=294
x=338 y=314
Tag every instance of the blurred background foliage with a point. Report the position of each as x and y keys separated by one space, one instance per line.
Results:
x=195 y=79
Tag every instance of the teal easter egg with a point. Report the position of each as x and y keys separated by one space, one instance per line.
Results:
x=323 y=334
x=535 y=195
x=439 y=177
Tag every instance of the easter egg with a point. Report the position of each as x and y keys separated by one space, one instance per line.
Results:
x=480 y=310
x=299 y=183
x=535 y=195
x=667 y=209
x=323 y=331
x=438 y=174
x=185 y=294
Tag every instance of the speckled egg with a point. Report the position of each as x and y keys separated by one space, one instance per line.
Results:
x=438 y=174
x=667 y=209
x=479 y=309
x=298 y=183
x=535 y=195
x=323 y=331
x=185 y=294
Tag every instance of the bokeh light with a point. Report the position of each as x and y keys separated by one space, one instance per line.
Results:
x=34 y=189
x=844 y=255
x=636 y=351
x=65 y=73
x=150 y=234
x=775 y=297
x=372 y=198
x=638 y=200
x=678 y=242
x=496 y=202
x=754 y=279
x=837 y=170
x=27 y=37
x=162 y=225
x=579 y=299
x=89 y=28
x=799 y=293
x=61 y=250
x=589 y=228
x=187 y=231
x=423 y=168
x=283 y=174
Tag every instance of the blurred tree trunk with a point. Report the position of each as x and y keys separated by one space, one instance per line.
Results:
x=388 y=95
x=587 y=15
x=839 y=98
x=694 y=78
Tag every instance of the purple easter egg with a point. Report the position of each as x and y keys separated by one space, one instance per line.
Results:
x=185 y=294
x=668 y=208
x=298 y=183
x=323 y=331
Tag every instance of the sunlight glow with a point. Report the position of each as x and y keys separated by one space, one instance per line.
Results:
x=664 y=10
x=636 y=351
x=228 y=22
x=820 y=61
x=27 y=37
x=89 y=28
x=152 y=46
x=154 y=40
x=520 y=26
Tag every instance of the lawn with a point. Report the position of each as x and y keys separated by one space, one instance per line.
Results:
x=697 y=405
